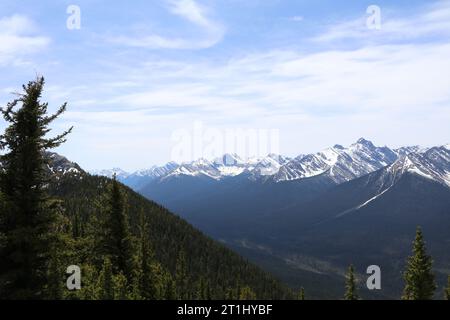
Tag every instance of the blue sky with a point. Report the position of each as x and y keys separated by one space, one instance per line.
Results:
x=136 y=73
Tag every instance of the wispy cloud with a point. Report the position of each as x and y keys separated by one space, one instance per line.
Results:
x=433 y=21
x=210 y=32
x=18 y=39
x=388 y=78
x=192 y=11
x=297 y=18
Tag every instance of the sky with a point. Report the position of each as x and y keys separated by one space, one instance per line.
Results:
x=149 y=82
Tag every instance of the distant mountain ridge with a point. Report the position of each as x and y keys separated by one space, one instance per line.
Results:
x=338 y=163
x=229 y=165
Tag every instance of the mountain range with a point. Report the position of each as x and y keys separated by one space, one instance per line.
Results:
x=306 y=218
x=338 y=163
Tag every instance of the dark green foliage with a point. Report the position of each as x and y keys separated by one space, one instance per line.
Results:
x=55 y=278
x=106 y=280
x=301 y=294
x=203 y=290
x=149 y=283
x=447 y=290
x=350 y=293
x=247 y=294
x=117 y=241
x=121 y=288
x=180 y=255
x=27 y=214
x=182 y=277
x=419 y=277
x=170 y=292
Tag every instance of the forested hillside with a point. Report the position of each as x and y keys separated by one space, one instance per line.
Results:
x=197 y=267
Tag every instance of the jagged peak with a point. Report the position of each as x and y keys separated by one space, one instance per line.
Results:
x=423 y=164
x=364 y=142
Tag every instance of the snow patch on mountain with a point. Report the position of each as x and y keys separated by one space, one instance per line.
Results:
x=339 y=163
x=59 y=165
x=109 y=173
x=434 y=164
x=363 y=204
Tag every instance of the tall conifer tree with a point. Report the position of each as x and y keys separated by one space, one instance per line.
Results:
x=147 y=279
x=351 y=293
x=301 y=294
x=118 y=242
x=419 y=278
x=106 y=281
x=27 y=217
x=181 y=276
x=447 y=290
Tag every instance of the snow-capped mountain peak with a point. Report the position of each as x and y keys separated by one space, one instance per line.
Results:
x=268 y=165
x=59 y=165
x=364 y=142
x=339 y=163
x=403 y=151
x=156 y=171
x=230 y=164
x=230 y=159
x=434 y=164
x=120 y=174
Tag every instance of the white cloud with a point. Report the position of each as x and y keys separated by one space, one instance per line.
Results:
x=211 y=32
x=190 y=10
x=433 y=21
x=18 y=39
x=16 y=24
x=297 y=18
x=370 y=79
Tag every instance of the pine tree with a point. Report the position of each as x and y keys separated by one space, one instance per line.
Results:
x=60 y=251
x=106 y=280
x=247 y=294
x=118 y=242
x=301 y=294
x=419 y=278
x=229 y=294
x=76 y=226
x=54 y=290
x=170 y=292
x=27 y=216
x=181 y=276
x=120 y=287
x=447 y=290
x=148 y=286
x=3 y=242
x=91 y=286
x=200 y=294
x=350 y=286
x=203 y=289
x=208 y=293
